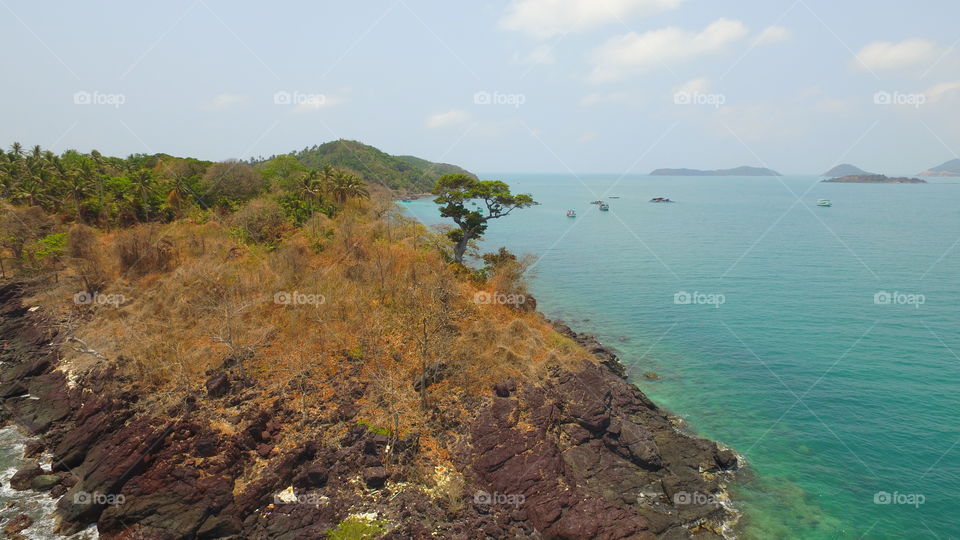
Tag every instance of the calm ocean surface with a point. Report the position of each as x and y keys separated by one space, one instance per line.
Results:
x=840 y=401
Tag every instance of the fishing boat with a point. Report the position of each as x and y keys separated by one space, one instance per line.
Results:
x=596 y=202
x=824 y=202
x=571 y=213
x=613 y=197
x=660 y=200
x=604 y=207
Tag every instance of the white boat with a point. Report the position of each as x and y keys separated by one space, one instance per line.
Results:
x=604 y=207
x=824 y=202
x=571 y=213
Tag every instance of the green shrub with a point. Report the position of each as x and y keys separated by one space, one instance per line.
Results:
x=354 y=528
x=260 y=222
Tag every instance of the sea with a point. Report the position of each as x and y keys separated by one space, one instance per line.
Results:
x=821 y=343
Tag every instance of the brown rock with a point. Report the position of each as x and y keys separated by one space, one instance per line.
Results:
x=14 y=526
x=218 y=385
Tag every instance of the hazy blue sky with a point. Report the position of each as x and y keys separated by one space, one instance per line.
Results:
x=583 y=85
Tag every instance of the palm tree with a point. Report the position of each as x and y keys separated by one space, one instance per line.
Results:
x=345 y=186
x=78 y=183
x=142 y=181
x=16 y=150
x=311 y=185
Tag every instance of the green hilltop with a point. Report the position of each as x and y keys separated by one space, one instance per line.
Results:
x=402 y=173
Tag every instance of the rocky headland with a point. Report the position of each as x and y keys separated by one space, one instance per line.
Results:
x=580 y=453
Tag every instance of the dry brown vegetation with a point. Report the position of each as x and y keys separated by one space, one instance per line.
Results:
x=362 y=303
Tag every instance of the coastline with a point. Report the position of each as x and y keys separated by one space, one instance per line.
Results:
x=621 y=455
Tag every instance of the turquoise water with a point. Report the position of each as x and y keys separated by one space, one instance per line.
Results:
x=831 y=396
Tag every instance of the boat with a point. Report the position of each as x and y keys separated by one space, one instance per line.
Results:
x=571 y=213
x=660 y=199
x=596 y=202
x=824 y=202
x=406 y=201
x=604 y=207
x=613 y=197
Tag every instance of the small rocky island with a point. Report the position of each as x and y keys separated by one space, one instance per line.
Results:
x=875 y=179
x=737 y=171
x=844 y=169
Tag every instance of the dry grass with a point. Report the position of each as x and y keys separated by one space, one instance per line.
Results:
x=370 y=304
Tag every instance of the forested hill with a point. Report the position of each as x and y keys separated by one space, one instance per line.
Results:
x=402 y=173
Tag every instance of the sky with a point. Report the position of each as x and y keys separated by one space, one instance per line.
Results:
x=561 y=86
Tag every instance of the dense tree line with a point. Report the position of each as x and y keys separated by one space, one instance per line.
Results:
x=114 y=192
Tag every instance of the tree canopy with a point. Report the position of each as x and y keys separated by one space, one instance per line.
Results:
x=491 y=199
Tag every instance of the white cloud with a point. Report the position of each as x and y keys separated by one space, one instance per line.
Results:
x=700 y=85
x=542 y=54
x=886 y=55
x=632 y=53
x=943 y=91
x=225 y=101
x=772 y=35
x=547 y=18
x=447 y=118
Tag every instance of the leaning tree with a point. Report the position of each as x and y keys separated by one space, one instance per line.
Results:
x=491 y=200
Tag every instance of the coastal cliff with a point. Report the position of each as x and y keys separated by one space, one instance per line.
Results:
x=546 y=457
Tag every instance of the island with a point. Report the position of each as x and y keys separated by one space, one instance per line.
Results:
x=736 y=171
x=845 y=169
x=875 y=179
x=949 y=168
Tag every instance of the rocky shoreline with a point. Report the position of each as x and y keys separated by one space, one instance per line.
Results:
x=579 y=454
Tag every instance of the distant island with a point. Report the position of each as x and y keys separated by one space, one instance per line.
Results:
x=949 y=168
x=737 y=171
x=845 y=169
x=875 y=179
